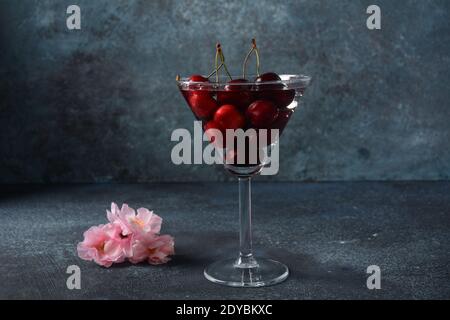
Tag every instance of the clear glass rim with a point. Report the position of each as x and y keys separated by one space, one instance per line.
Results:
x=293 y=81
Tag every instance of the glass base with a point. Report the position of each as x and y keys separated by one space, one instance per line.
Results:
x=265 y=272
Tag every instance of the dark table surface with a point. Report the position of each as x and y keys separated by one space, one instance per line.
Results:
x=327 y=233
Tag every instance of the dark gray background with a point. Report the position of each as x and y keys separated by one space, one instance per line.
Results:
x=99 y=105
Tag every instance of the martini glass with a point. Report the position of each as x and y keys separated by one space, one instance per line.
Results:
x=207 y=101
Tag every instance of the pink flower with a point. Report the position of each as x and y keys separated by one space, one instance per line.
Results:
x=105 y=245
x=145 y=221
x=153 y=248
x=128 y=235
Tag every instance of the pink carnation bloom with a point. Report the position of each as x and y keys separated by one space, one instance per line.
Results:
x=153 y=248
x=105 y=245
x=145 y=221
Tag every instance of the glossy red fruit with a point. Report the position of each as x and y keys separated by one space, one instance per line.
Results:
x=282 y=98
x=198 y=78
x=198 y=82
x=278 y=93
x=202 y=104
x=262 y=113
x=229 y=117
x=268 y=77
x=236 y=93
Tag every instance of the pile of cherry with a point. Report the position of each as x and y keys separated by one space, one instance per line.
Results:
x=239 y=106
x=240 y=103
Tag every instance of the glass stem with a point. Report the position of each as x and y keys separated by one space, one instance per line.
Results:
x=246 y=259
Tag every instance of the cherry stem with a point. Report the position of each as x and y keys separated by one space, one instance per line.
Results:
x=222 y=58
x=258 y=65
x=216 y=62
x=178 y=78
x=247 y=57
x=215 y=71
x=255 y=50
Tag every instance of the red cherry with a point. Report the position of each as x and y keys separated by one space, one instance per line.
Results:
x=229 y=117
x=202 y=104
x=281 y=98
x=198 y=78
x=262 y=113
x=198 y=82
x=275 y=92
x=268 y=77
x=236 y=93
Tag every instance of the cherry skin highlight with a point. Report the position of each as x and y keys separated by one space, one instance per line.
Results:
x=262 y=113
x=202 y=104
x=282 y=98
x=199 y=99
x=229 y=117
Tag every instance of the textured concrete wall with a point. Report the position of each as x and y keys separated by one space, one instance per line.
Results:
x=100 y=104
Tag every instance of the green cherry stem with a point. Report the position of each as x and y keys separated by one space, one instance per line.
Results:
x=244 y=66
x=215 y=71
x=255 y=50
x=222 y=58
x=258 y=64
x=217 y=62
